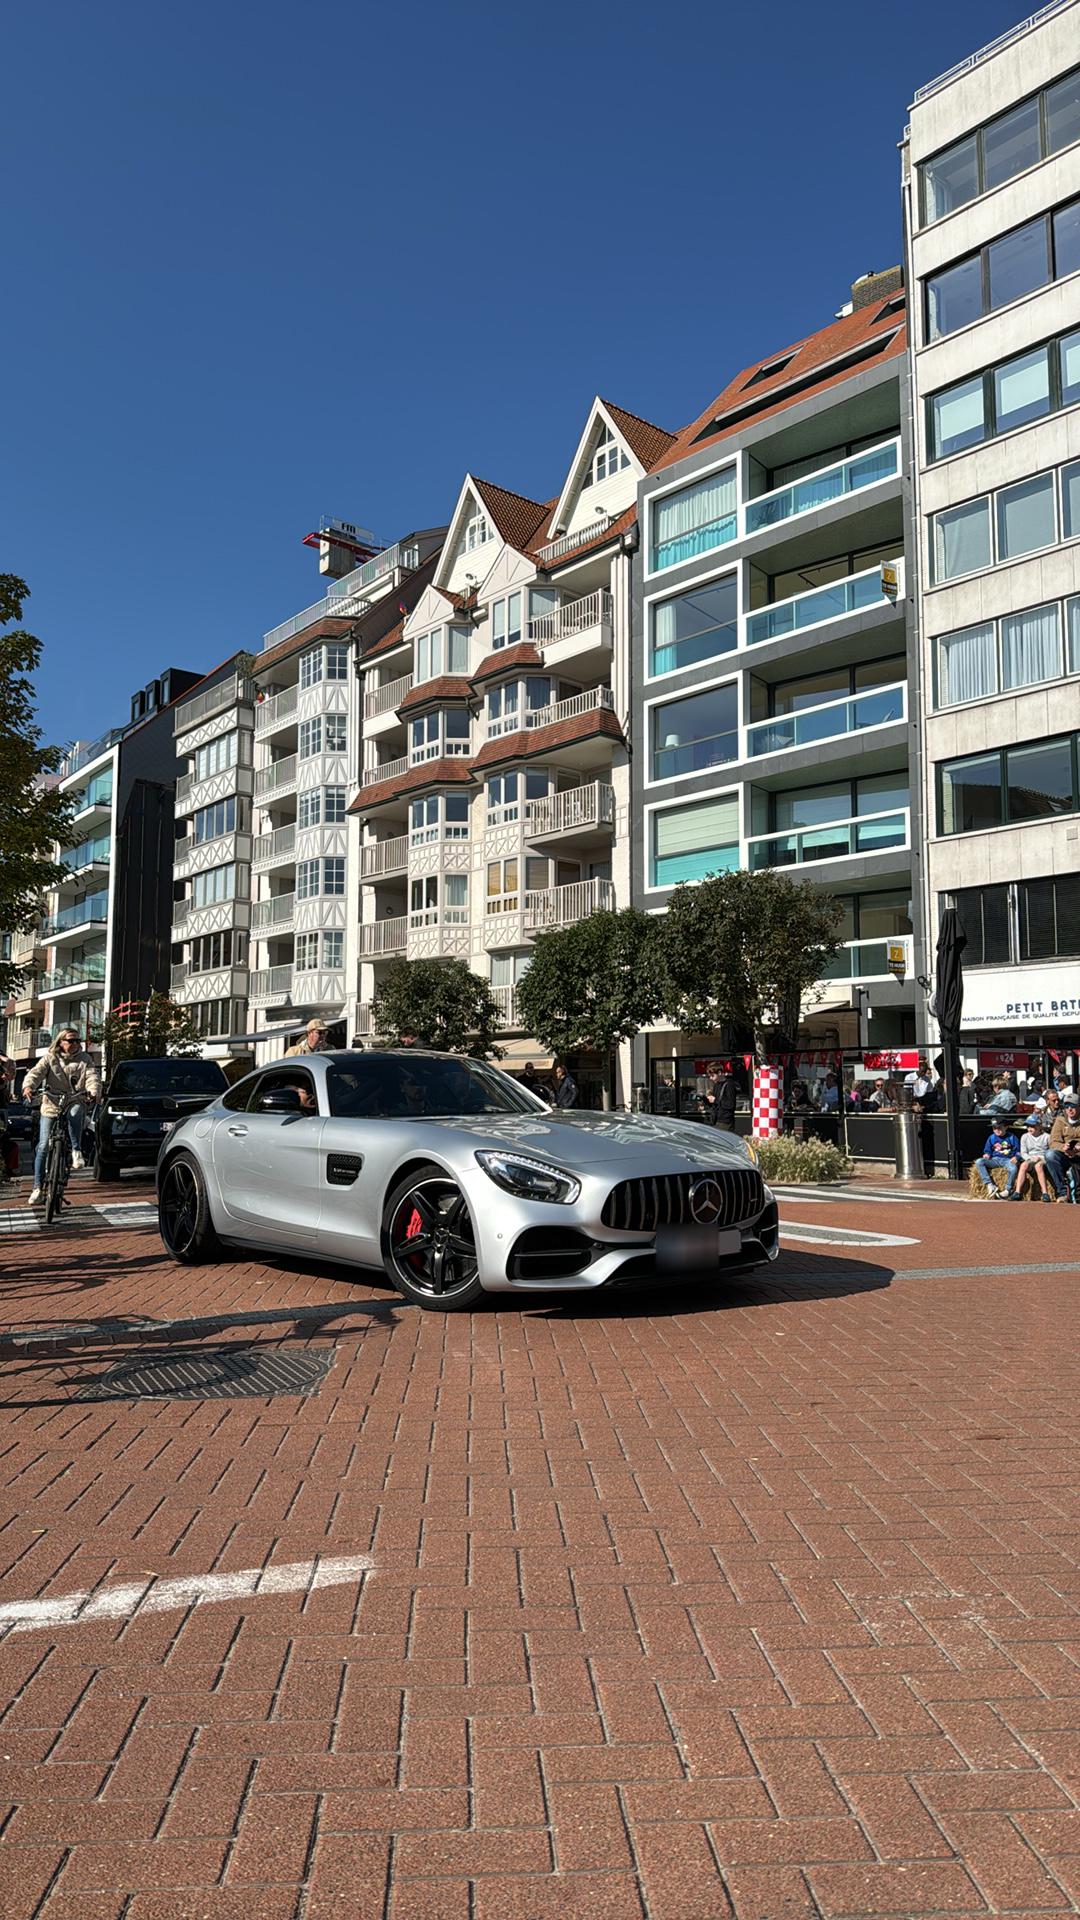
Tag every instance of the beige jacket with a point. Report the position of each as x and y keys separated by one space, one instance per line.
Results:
x=54 y=1079
x=1064 y=1134
x=302 y=1047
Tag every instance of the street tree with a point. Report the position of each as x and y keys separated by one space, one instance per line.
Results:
x=593 y=985
x=743 y=951
x=33 y=817
x=440 y=1001
x=150 y=1030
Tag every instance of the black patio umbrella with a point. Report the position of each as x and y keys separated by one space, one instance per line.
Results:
x=949 y=999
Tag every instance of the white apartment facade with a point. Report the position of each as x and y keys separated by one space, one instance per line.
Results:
x=494 y=796
x=992 y=213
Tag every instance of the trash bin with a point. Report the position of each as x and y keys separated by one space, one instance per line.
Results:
x=909 y=1156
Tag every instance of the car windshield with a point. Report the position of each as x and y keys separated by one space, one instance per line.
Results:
x=388 y=1086
x=168 y=1076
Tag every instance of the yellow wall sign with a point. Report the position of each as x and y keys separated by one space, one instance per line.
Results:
x=890 y=579
x=897 y=958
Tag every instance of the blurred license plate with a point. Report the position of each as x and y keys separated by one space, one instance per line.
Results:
x=681 y=1248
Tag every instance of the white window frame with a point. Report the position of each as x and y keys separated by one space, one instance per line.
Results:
x=728 y=790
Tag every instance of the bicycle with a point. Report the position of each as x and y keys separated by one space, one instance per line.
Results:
x=57 y=1161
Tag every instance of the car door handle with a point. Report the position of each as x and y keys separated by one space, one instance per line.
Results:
x=238 y=1132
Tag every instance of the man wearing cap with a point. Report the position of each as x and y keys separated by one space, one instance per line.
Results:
x=1063 y=1158
x=314 y=1040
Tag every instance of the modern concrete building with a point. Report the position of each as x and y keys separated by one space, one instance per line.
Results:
x=107 y=925
x=991 y=168
x=774 y=658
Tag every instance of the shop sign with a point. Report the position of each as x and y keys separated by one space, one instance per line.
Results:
x=899 y=1060
x=999 y=1059
x=897 y=958
x=1021 y=996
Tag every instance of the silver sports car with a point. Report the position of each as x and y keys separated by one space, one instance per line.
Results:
x=456 y=1181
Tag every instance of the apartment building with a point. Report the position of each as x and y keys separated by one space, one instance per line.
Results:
x=494 y=796
x=991 y=190
x=105 y=934
x=774 y=655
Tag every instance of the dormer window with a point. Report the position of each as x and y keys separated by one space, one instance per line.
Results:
x=607 y=460
x=506 y=621
x=477 y=532
x=446 y=650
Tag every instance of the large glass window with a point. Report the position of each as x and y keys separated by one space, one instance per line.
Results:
x=333 y=805
x=1004 y=270
x=337 y=661
x=1009 y=786
x=216 y=756
x=1002 y=148
x=506 y=621
x=334 y=874
x=691 y=842
x=1062 y=113
x=1025 y=388
x=693 y=520
x=218 y=884
x=311 y=667
x=695 y=626
x=1070 y=369
x=310 y=737
x=210 y=823
x=1070 y=500
x=971 y=794
x=1039 y=779
x=502 y=887
x=955 y=297
x=1067 y=240
x=1018 y=263
x=335 y=732
x=962 y=540
x=1031 y=646
x=693 y=734
x=333 y=949
x=1011 y=144
x=309 y=807
x=967 y=664
x=307 y=879
x=1022 y=389
x=1025 y=517
x=951 y=179
x=958 y=417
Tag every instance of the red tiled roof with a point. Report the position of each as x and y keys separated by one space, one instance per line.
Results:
x=646 y=442
x=594 y=542
x=522 y=655
x=784 y=388
x=449 y=686
x=515 y=517
x=454 y=772
x=527 y=745
x=395 y=638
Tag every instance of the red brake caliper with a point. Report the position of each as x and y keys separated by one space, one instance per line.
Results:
x=415 y=1225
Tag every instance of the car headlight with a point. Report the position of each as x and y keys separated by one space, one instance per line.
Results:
x=529 y=1179
x=122 y=1113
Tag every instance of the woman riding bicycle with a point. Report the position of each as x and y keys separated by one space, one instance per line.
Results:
x=64 y=1071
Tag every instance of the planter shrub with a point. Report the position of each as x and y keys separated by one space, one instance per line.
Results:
x=801 y=1162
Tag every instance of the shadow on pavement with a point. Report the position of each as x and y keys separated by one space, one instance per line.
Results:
x=805 y=1276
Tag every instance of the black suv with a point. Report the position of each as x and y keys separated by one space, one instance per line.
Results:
x=143 y=1100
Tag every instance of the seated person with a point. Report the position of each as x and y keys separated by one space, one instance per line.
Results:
x=1002 y=1149
x=1003 y=1099
x=1033 y=1149
x=1063 y=1157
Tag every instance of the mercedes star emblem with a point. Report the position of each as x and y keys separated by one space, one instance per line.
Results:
x=707 y=1201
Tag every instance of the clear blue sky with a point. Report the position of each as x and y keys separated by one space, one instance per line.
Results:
x=263 y=263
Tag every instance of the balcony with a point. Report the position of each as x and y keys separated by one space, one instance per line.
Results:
x=382 y=857
x=276 y=780
x=865 y=960
x=856 y=594
x=365 y=1020
x=347 y=597
x=858 y=713
x=82 y=755
x=89 y=971
x=92 y=806
x=597 y=700
x=270 y=983
x=567 y=542
x=273 y=916
x=92 y=912
x=579 y=810
x=234 y=691
x=381 y=937
x=386 y=770
x=388 y=697
x=277 y=849
x=580 y=631
x=563 y=906
x=506 y=1000
x=276 y=710
x=89 y=853
x=178 y=975
x=822 y=488
x=869 y=833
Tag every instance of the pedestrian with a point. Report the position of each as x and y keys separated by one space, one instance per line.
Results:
x=1033 y=1146
x=65 y=1070
x=1063 y=1157
x=720 y=1097
x=1003 y=1100
x=407 y=1038
x=1002 y=1149
x=531 y=1079
x=967 y=1098
x=566 y=1092
x=314 y=1040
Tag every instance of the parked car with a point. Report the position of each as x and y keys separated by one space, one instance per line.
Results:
x=20 y=1119
x=143 y=1101
x=457 y=1181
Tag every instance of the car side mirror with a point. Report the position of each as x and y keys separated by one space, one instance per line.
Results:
x=280 y=1100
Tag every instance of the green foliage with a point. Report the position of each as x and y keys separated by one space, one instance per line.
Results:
x=742 y=950
x=150 y=1030
x=31 y=819
x=442 y=1003
x=794 y=1162
x=592 y=984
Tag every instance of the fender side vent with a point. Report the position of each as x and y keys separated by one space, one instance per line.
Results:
x=342 y=1168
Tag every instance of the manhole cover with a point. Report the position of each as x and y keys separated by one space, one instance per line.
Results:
x=215 y=1373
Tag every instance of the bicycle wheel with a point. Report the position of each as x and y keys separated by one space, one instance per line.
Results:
x=55 y=1173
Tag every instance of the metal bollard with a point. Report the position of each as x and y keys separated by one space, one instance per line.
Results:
x=909 y=1159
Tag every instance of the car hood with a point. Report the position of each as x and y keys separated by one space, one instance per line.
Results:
x=636 y=1142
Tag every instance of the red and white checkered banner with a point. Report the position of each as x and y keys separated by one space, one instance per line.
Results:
x=768 y=1099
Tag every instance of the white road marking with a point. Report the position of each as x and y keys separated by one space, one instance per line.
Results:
x=159 y=1596
x=841 y=1236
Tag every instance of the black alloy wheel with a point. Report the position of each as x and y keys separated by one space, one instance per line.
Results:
x=429 y=1245
x=184 y=1222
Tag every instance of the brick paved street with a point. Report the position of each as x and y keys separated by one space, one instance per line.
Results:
x=762 y=1602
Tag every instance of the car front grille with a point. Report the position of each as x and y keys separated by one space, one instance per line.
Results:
x=640 y=1206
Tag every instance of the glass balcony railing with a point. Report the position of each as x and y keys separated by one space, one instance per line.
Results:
x=88 y=852
x=687 y=546
x=850 y=595
x=98 y=794
x=696 y=756
x=77 y=974
x=871 y=959
x=834 y=718
x=870 y=833
x=821 y=488
x=82 y=914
